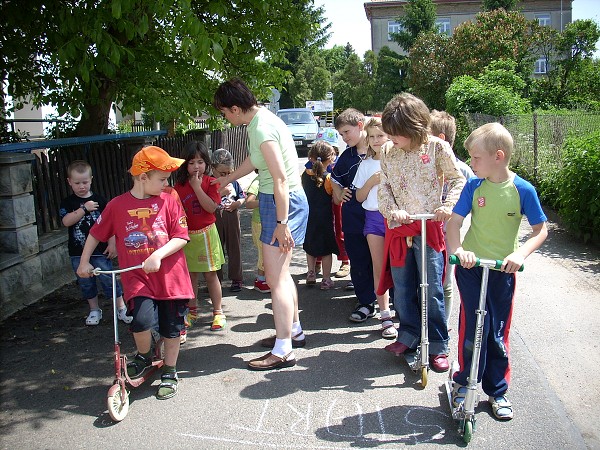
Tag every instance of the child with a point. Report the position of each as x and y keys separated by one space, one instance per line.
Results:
x=228 y=218
x=366 y=182
x=443 y=125
x=497 y=199
x=412 y=174
x=150 y=229
x=260 y=283
x=320 y=237
x=79 y=211
x=204 y=253
x=332 y=137
x=350 y=125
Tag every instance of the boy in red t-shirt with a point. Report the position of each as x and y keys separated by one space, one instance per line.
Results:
x=150 y=229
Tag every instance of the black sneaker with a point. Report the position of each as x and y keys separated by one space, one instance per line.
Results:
x=137 y=367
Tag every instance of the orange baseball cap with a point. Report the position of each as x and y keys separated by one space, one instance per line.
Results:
x=153 y=158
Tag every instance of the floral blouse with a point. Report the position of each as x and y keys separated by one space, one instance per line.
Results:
x=413 y=180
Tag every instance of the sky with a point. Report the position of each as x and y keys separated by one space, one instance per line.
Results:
x=349 y=22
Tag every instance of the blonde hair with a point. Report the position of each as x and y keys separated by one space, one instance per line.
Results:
x=443 y=123
x=350 y=117
x=407 y=116
x=374 y=122
x=79 y=166
x=490 y=138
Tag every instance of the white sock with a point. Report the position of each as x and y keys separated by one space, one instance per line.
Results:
x=385 y=314
x=282 y=347
x=296 y=329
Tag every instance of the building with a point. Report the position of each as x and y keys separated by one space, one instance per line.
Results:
x=383 y=14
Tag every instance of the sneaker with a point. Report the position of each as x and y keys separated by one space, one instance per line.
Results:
x=350 y=286
x=122 y=315
x=236 y=286
x=94 y=317
x=261 y=286
x=311 y=277
x=501 y=407
x=439 y=363
x=137 y=367
x=344 y=271
x=183 y=337
x=327 y=284
x=362 y=313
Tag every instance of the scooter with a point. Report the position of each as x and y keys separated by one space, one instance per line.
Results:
x=465 y=412
x=419 y=361
x=117 y=399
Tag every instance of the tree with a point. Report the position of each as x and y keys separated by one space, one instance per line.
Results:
x=311 y=79
x=419 y=17
x=490 y=5
x=352 y=87
x=163 y=56
x=335 y=58
x=390 y=78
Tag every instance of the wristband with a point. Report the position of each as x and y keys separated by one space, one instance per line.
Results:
x=85 y=211
x=282 y=222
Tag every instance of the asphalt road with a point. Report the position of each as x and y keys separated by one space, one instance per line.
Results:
x=345 y=392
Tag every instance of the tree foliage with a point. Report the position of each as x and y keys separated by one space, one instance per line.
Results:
x=390 y=77
x=490 y=5
x=419 y=17
x=163 y=56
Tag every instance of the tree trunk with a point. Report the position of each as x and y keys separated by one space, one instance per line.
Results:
x=95 y=114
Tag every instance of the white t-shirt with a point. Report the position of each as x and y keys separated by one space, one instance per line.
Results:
x=367 y=168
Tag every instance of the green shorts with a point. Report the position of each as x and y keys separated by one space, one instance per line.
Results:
x=204 y=252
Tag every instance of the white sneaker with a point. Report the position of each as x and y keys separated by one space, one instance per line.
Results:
x=122 y=315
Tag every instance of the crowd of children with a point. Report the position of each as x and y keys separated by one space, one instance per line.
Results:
x=394 y=167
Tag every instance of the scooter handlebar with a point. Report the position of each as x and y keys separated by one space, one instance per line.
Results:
x=97 y=271
x=493 y=263
x=421 y=216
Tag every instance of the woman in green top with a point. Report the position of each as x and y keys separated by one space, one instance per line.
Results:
x=283 y=211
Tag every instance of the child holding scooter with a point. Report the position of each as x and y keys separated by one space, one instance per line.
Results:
x=413 y=171
x=150 y=228
x=497 y=199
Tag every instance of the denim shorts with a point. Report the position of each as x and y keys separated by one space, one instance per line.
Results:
x=297 y=217
x=374 y=223
x=88 y=286
x=170 y=313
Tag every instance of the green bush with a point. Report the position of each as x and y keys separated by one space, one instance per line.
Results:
x=577 y=186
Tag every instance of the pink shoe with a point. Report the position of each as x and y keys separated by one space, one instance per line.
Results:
x=326 y=284
x=398 y=348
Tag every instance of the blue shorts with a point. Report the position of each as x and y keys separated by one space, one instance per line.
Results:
x=297 y=217
x=171 y=314
x=374 y=223
x=89 y=288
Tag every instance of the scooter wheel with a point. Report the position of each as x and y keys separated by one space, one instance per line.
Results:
x=468 y=431
x=423 y=376
x=118 y=407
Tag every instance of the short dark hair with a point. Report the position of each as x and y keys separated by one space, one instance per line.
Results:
x=408 y=116
x=234 y=93
x=350 y=117
x=192 y=149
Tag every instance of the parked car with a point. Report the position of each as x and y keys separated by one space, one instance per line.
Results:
x=302 y=124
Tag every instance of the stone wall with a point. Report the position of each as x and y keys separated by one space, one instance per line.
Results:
x=30 y=267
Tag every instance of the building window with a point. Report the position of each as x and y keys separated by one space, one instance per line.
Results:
x=543 y=19
x=393 y=27
x=443 y=25
x=541 y=66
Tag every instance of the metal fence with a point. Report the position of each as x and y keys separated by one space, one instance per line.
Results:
x=110 y=161
x=539 y=138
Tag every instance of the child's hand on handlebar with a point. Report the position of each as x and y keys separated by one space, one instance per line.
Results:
x=152 y=264
x=441 y=214
x=467 y=259
x=85 y=270
x=512 y=263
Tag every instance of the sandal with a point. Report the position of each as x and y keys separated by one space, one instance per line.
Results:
x=168 y=386
x=501 y=407
x=137 y=367
x=388 y=329
x=362 y=313
x=458 y=395
x=94 y=317
x=191 y=317
x=219 y=322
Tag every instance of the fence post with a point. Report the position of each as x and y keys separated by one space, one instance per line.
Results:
x=535 y=147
